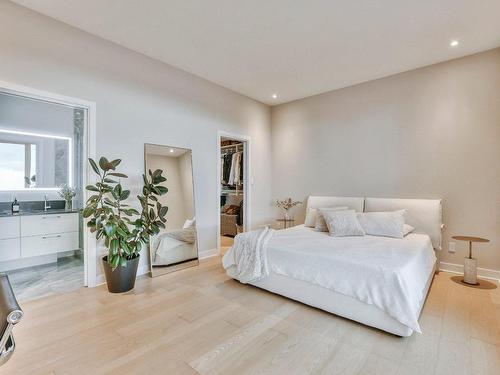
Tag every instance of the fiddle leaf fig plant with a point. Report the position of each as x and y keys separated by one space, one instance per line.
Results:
x=124 y=229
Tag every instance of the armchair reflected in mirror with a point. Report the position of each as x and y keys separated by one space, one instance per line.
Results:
x=175 y=247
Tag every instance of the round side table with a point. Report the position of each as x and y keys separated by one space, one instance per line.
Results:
x=470 y=263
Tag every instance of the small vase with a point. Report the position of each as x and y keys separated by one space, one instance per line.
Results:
x=287 y=215
x=69 y=204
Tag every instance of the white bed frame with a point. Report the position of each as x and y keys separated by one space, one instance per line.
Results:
x=424 y=214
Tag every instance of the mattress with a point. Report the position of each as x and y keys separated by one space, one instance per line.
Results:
x=387 y=275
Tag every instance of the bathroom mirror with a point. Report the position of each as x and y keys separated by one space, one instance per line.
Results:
x=175 y=247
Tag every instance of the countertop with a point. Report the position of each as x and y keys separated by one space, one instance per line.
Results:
x=38 y=212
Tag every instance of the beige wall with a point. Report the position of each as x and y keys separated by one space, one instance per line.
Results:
x=139 y=100
x=429 y=133
x=174 y=199
x=186 y=176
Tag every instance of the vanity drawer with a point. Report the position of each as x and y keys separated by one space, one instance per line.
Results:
x=10 y=249
x=48 y=244
x=35 y=225
x=9 y=227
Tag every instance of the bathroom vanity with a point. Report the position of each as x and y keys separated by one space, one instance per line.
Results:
x=36 y=233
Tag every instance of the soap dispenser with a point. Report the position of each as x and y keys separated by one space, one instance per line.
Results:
x=15 y=206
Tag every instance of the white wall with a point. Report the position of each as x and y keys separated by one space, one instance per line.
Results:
x=186 y=176
x=174 y=199
x=139 y=100
x=429 y=133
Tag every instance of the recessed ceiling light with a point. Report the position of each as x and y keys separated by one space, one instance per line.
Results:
x=275 y=96
x=454 y=43
x=171 y=150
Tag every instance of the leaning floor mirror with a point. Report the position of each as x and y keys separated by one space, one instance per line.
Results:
x=175 y=247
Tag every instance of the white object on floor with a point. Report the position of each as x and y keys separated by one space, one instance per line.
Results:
x=470 y=271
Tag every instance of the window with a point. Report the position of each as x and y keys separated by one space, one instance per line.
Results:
x=17 y=165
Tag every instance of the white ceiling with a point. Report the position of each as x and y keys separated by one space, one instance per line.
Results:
x=292 y=48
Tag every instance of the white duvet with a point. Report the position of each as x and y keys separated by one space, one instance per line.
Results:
x=389 y=273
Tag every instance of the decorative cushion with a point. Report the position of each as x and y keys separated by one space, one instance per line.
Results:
x=343 y=223
x=189 y=223
x=320 y=223
x=407 y=230
x=385 y=224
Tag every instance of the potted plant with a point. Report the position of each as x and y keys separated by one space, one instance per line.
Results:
x=67 y=193
x=287 y=205
x=123 y=229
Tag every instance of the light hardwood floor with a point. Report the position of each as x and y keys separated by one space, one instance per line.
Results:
x=197 y=321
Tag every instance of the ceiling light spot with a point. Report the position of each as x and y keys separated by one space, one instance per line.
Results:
x=275 y=96
x=171 y=150
x=454 y=43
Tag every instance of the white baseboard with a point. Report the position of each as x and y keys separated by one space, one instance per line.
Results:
x=142 y=270
x=208 y=253
x=459 y=268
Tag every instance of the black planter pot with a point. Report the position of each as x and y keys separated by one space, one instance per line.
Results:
x=122 y=279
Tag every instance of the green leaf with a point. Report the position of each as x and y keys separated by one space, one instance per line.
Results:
x=91 y=188
x=162 y=190
x=115 y=261
x=88 y=211
x=110 y=228
x=94 y=166
x=163 y=211
x=115 y=162
x=124 y=195
x=110 y=181
x=114 y=246
x=103 y=163
x=116 y=174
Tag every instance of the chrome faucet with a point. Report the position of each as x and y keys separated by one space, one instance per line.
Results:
x=46 y=204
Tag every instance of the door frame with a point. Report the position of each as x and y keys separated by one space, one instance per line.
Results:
x=246 y=179
x=89 y=151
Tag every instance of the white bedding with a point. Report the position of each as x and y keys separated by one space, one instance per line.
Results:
x=389 y=273
x=174 y=247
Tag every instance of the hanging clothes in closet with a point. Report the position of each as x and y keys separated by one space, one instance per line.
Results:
x=232 y=168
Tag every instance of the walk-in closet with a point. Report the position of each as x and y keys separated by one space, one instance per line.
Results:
x=232 y=190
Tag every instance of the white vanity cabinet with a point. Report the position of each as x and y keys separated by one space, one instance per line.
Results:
x=48 y=234
x=35 y=235
x=10 y=244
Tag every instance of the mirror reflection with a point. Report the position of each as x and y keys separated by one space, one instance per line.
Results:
x=175 y=247
x=30 y=161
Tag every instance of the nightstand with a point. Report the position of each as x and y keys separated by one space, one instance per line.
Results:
x=285 y=223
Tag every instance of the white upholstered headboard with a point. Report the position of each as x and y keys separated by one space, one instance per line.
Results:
x=423 y=214
x=352 y=202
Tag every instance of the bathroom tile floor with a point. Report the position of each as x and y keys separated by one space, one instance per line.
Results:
x=63 y=276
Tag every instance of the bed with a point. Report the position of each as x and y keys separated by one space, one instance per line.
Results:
x=378 y=281
x=174 y=246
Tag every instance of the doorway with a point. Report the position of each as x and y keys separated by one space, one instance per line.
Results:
x=49 y=250
x=233 y=188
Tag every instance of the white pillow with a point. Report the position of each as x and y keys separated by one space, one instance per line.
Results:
x=343 y=223
x=385 y=224
x=311 y=217
x=189 y=223
x=320 y=223
x=407 y=229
